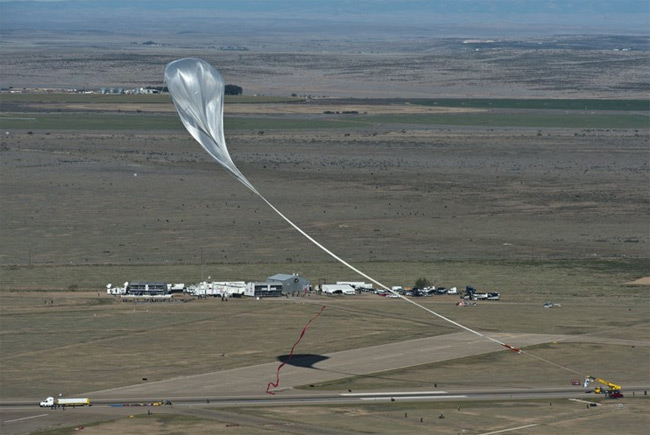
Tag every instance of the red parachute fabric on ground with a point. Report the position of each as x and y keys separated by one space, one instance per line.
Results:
x=512 y=348
x=277 y=374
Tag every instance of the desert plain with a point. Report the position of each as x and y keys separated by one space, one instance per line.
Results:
x=513 y=170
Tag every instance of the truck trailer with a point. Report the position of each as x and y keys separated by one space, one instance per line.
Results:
x=59 y=402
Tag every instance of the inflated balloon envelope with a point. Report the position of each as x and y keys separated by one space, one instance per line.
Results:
x=197 y=90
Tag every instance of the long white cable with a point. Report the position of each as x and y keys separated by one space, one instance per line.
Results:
x=345 y=263
x=446 y=319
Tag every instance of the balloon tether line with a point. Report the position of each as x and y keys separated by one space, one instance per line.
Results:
x=277 y=373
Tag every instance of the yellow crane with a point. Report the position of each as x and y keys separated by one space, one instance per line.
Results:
x=613 y=391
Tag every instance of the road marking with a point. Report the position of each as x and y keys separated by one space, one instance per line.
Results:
x=401 y=393
x=434 y=348
x=585 y=401
x=24 y=418
x=396 y=398
x=392 y=355
x=509 y=430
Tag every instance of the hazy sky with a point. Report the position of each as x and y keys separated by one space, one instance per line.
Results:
x=489 y=18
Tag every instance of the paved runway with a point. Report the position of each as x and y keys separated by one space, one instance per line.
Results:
x=252 y=380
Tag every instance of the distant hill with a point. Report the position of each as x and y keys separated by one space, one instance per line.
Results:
x=335 y=18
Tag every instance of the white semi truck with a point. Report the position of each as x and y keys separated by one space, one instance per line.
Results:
x=56 y=402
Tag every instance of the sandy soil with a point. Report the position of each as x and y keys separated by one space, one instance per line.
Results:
x=641 y=281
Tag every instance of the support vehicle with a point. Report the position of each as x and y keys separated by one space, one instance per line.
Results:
x=613 y=391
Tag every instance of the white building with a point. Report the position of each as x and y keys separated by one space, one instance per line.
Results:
x=337 y=289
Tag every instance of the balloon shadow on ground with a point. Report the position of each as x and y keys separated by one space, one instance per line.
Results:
x=306 y=360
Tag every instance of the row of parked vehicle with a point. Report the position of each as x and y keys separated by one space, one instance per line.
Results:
x=474 y=295
x=417 y=292
x=470 y=293
x=430 y=291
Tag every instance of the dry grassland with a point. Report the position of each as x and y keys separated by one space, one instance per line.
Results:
x=563 y=417
x=424 y=194
x=532 y=417
x=314 y=107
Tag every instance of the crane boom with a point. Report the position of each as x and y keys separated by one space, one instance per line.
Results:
x=611 y=386
x=613 y=391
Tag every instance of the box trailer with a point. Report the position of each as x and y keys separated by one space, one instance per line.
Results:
x=229 y=288
x=59 y=402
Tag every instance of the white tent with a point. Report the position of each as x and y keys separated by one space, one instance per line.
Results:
x=337 y=289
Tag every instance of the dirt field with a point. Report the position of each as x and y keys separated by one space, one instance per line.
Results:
x=535 y=417
x=450 y=193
